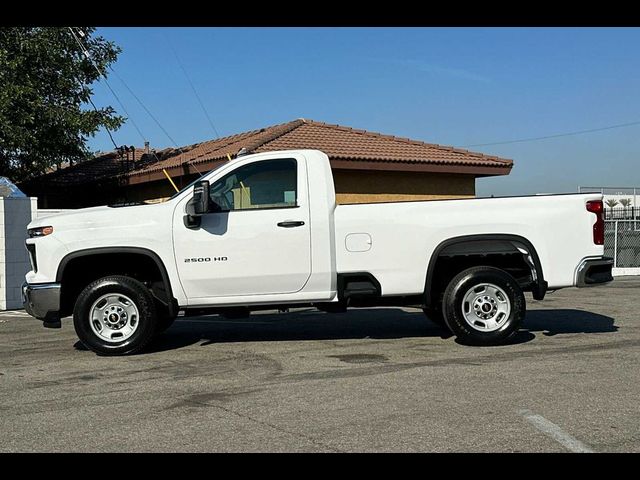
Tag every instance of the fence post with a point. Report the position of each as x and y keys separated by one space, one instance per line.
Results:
x=615 y=246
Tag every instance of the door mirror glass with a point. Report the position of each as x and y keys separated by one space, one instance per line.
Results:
x=201 y=199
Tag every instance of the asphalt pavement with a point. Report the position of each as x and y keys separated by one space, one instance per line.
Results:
x=369 y=380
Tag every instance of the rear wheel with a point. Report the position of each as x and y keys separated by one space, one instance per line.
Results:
x=115 y=315
x=483 y=306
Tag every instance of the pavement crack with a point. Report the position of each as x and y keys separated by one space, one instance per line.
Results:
x=245 y=416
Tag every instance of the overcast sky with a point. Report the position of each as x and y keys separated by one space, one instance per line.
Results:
x=452 y=86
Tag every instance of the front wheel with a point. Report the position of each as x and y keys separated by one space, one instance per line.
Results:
x=483 y=306
x=115 y=315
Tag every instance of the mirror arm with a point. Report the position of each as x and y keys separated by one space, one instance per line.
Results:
x=192 y=221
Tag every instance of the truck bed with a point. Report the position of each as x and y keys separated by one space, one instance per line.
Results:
x=403 y=235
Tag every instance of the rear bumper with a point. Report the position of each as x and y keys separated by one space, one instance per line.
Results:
x=42 y=301
x=594 y=271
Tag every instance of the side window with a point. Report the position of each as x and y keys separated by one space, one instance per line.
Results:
x=263 y=184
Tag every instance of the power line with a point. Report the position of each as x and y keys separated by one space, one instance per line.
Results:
x=101 y=74
x=105 y=127
x=152 y=117
x=88 y=55
x=578 y=132
x=144 y=107
x=193 y=88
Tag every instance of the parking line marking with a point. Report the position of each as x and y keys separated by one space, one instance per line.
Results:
x=555 y=432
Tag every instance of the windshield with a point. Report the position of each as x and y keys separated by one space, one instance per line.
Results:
x=197 y=180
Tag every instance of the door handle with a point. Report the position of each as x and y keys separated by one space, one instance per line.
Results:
x=291 y=224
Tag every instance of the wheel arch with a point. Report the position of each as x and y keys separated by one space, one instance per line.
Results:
x=140 y=252
x=484 y=244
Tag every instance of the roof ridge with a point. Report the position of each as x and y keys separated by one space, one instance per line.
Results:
x=299 y=133
x=230 y=139
x=278 y=131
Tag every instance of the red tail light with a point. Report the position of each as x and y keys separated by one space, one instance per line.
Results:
x=595 y=206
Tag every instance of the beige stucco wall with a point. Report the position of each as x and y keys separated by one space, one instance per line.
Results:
x=353 y=186
x=362 y=186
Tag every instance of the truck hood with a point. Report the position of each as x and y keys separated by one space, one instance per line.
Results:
x=88 y=219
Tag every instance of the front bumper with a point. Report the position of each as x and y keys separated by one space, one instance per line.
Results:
x=42 y=301
x=594 y=271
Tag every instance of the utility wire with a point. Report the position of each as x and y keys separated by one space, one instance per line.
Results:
x=152 y=117
x=105 y=127
x=578 y=132
x=101 y=74
x=193 y=88
x=88 y=55
x=144 y=107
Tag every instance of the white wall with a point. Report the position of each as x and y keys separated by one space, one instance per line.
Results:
x=15 y=214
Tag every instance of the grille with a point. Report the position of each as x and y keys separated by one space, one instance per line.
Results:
x=32 y=256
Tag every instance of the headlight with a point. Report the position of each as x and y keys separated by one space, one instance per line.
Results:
x=40 y=231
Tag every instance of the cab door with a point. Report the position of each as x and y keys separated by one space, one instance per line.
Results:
x=259 y=243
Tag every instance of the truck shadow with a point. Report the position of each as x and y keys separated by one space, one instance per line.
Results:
x=387 y=323
x=561 y=321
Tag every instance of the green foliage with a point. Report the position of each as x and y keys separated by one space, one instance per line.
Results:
x=45 y=86
x=625 y=202
x=612 y=202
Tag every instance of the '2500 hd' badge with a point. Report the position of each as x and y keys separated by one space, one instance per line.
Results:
x=205 y=259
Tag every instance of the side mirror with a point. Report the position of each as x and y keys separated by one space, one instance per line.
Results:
x=201 y=199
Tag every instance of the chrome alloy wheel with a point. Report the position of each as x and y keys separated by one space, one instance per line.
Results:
x=114 y=317
x=486 y=307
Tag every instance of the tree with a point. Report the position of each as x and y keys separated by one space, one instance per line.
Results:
x=612 y=202
x=45 y=90
x=625 y=202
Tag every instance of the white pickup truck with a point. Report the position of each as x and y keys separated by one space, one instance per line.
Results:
x=263 y=231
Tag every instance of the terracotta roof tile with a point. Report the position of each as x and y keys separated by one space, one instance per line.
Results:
x=338 y=142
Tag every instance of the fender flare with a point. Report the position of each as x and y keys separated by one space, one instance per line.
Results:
x=540 y=287
x=171 y=301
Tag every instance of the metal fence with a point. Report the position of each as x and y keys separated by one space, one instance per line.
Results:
x=615 y=193
x=622 y=242
x=622 y=227
x=622 y=213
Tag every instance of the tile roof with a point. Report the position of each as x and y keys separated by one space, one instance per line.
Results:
x=338 y=142
x=104 y=166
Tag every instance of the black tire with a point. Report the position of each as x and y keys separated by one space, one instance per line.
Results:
x=453 y=306
x=146 y=321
